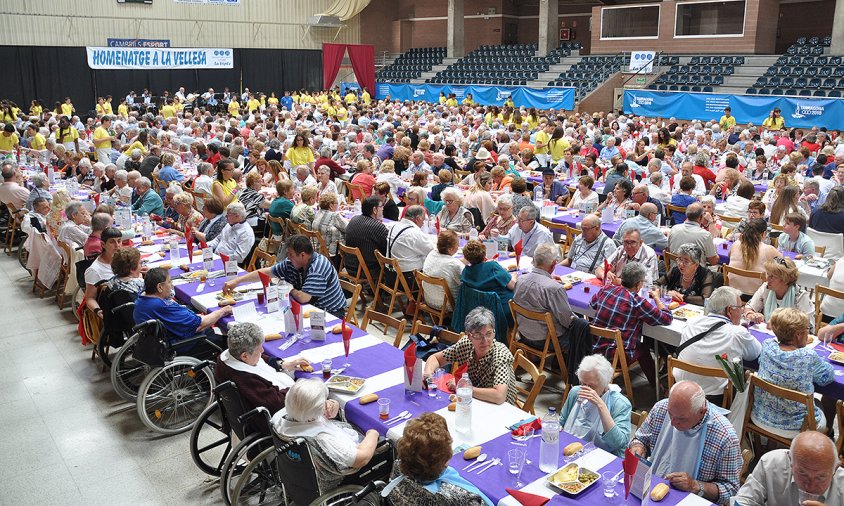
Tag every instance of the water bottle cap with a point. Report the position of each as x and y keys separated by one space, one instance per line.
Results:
x=552 y=410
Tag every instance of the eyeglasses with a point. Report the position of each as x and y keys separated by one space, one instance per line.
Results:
x=631 y=242
x=781 y=261
x=737 y=307
x=487 y=336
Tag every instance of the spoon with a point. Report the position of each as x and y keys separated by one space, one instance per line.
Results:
x=400 y=415
x=481 y=458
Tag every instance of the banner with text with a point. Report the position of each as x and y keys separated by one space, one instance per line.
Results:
x=797 y=112
x=138 y=43
x=159 y=58
x=642 y=61
x=541 y=98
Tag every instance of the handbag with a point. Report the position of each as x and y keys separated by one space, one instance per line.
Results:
x=426 y=346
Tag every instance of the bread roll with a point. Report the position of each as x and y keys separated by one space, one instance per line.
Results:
x=272 y=337
x=659 y=492
x=368 y=398
x=673 y=305
x=472 y=453
x=572 y=448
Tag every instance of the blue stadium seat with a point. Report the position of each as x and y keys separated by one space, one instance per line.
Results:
x=811 y=71
x=838 y=72
x=801 y=82
x=716 y=60
x=826 y=41
x=819 y=93
x=825 y=71
x=685 y=88
x=820 y=61
x=814 y=41
x=762 y=81
x=777 y=91
x=663 y=87
x=750 y=91
x=794 y=60
x=814 y=82
x=829 y=83
x=697 y=89
x=834 y=94
x=834 y=60
x=708 y=89
x=695 y=60
x=801 y=41
x=796 y=71
x=774 y=81
x=764 y=91
x=718 y=80
x=805 y=93
x=788 y=82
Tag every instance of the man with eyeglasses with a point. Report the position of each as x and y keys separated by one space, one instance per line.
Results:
x=527 y=231
x=646 y=223
x=641 y=195
x=590 y=248
x=633 y=250
x=369 y=234
x=714 y=334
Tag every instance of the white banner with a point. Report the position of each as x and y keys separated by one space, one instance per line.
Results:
x=209 y=2
x=159 y=58
x=642 y=60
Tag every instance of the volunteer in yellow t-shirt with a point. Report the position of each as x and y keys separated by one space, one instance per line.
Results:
x=300 y=152
x=103 y=140
x=37 y=142
x=543 y=137
x=273 y=100
x=67 y=135
x=775 y=121
x=35 y=108
x=8 y=139
x=107 y=106
x=67 y=108
x=366 y=97
x=234 y=107
x=168 y=111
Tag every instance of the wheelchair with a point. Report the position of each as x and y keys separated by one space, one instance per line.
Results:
x=118 y=308
x=286 y=473
x=171 y=391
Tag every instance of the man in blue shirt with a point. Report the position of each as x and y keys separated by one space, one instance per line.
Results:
x=609 y=150
x=287 y=101
x=157 y=303
x=149 y=202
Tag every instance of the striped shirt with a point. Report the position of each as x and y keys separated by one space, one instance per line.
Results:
x=369 y=235
x=319 y=280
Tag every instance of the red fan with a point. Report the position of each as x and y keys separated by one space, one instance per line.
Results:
x=518 y=249
x=629 y=465
x=189 y=242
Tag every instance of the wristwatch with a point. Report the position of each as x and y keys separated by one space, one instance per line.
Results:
x=700 y=490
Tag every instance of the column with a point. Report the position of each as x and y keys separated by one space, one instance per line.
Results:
x=837 y=47
x=549 y=25
x=456 y=46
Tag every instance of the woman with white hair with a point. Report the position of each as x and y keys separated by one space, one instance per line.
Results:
x=596 y=410
x=188 y=216
x=387 y=174
x=261 y=380
x=453 y=215
x=338 y=449
x=41 y=189
x=169 y=209
x=324 y=182
x=237 y=237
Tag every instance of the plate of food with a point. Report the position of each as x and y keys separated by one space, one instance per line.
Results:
x=195 y=275
x=572 y=479
x=685 y=313
x=346 y=384
x=837 y=357
x=819 y=263
x=573 y=278
x=233 y=295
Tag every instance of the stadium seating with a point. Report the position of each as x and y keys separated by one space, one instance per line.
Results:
x=804 y=70
x=588 y=73
x=702 y=73
x=410 y=65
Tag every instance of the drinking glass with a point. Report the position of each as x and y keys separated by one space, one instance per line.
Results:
x=384 y=408
x=610 y=482
x=806 y=496
x=432 y=386
x=515 y=461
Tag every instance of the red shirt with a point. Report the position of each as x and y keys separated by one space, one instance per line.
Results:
x=335 y=167
x=366 y=181
x=707 y=175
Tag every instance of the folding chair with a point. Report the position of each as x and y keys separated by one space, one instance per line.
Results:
x=619 y=362
x=389 y=268
x=526 y=398
x=388 y=321
x=437 y=315
x=355 y=290
x=713 y=372
x=552 y=346
x=754 y=431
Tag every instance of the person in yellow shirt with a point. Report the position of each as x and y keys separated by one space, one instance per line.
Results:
x=103 y=140
x=329 y=109
x=67 y=108
x=273 y=100
x=37 y=142
x=123 y=109
x=533 y=119
x=35 y=109
x=107 y=106
x=178 y=105
x=295 y=96
x=543 y=137
x=300 y=153
x=67 y=135
x=263 y=99
x=443 y=98
x=234 y=107
x=558 y=145
x=775 y=121
x=139 y=143
x=8 y=139
x=727 y=120
x=366 y=97
x=253 y=104
x=351 y=98
x=452 y=101
x=168 y=111
x=342 y=114
x=100 y=106
x=509 y=102
x=468 y=100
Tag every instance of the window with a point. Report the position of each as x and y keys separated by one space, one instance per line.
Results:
x=636 y=22
x=710 y=19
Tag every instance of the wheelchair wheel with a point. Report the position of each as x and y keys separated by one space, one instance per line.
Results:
x=343 y=492
x=172 y=397
x=210 y=441
x=127 y=373
x=237 y=460
x=260 y=482
x=103 y=349
x=23 y=256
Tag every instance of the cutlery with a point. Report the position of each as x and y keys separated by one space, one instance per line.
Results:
x=618 y=475
x=496 y=461
x=287 y=344
x=400 y=419
x=400 y=415
x=481 y=458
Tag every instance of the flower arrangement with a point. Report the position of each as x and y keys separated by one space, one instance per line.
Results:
x=734 y=370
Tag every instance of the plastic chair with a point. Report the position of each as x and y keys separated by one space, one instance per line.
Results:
x=834 y=242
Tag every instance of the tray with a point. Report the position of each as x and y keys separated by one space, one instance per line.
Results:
x=561 y=479
x=837 y=357
x=347 y=384
x=684 y=313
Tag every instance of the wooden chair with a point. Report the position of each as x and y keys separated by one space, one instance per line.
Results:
x=746 y=458
x=619 y=362
x=669 y=257
x=459 y=175
x=361 y=276
x=267 y=260
x=92 y=324
x=754 y=431
x=637 y=418
x=351 y=314
x=730 y=219
x=355 y=191
x=820 y=250
x=65 y=272
x=571 y=233
x=776 y=228
x=437 y=315
x=158 y=185
x=281 y=222
x=12 y=228
x=839 y=411
x=317 y=240
x=526 y=398
x=199 y=197
x=399 y=287
x=820 y=292
x=670 y=209
x=550 y=340
x=293 y=228
x=736 y=272
x=713 y=372
x=387 y=321
x=556 y=229
x=445 y=336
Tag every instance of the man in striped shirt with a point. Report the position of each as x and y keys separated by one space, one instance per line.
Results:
x=313 y=277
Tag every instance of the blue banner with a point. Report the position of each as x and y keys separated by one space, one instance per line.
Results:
x=798 y=112
x=541 y=98
x=345 y=87
x=138 y=42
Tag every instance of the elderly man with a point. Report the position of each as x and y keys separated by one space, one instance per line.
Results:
x=690 y=231
x=37 y=218
x=11 y=191
x=620 y=307
x=810 y=465
x=609 y=150
x=121 y=192
x=76 y=229
x=656 y=190
x=538 y=291
x=649 y=232
x=714 y=334
x=688 y=169
x=418 y=163
x=528 y=232
x=641 y=195
x=313 y=277
x=555 y=191
x=698 y=451
x=633 y=249
x=811 y=197
x=590 y=248
x=149 y=202
x=408 y=244
x=41 y=189
x=237 y=237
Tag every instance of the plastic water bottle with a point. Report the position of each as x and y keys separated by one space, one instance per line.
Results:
x=357 y=207
x=147 y=229
x=473 y=234
x=538 y=194
x=463 y=419
x=549 y=451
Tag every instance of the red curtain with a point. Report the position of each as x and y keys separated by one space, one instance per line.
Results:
x=332 y=56
x=363 y=63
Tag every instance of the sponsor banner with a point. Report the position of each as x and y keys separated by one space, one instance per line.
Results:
x=138 y=43
x=159 y=58
x=541 y=98
x=799 y=112
x=642 y=61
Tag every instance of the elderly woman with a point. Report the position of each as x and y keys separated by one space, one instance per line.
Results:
x=213 y=223
x=446 y=181
x=688 y=281
x=479 y=196
x=237 y=237
x=338 y=449
x=121 y=192
x=620 y=197
x=252 y=198
x=187 y=215
x=261 y=380
x=423 y=454
x=787 y=362
x=418 y=196
x=710 y=221
x=441 y=263
x=170 y=213
x=595 y=410
x=126 y=266
x=324 y=182
x=364 y=179
x=454 y=216
x=501 y=181
x=779 y=290
x=585 y=198
x=77 y=228
x=40 y=189
x=387 y=174
x=167 y=172
x=501 y=221
x=751 y=253
x=490 y=362
x=486 y=276
x=303 y=212
x=329 y=223
x=727 y=181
